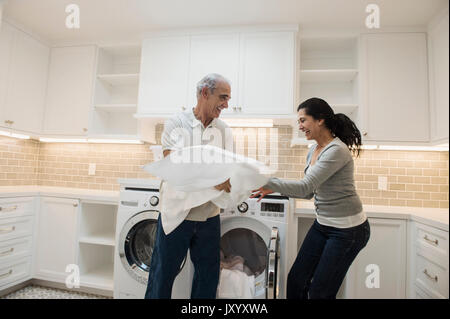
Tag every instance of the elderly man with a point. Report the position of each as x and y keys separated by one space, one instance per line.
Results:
x=200 y=231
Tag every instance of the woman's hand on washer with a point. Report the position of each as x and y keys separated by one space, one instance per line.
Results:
x=261 y=193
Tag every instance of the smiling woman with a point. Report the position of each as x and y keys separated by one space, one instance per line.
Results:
x=341 y=228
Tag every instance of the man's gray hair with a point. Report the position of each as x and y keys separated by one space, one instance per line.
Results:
x=210 y=81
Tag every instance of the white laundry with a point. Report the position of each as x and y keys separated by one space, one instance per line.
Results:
x=188 y=183
x=201 y=166
x=175 y=205
x=235 y=284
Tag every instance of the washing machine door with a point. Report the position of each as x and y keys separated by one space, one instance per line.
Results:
x=136 y=244
x=273 y=265
x=255 y=245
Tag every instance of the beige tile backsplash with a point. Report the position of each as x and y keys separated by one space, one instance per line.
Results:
x=418 y=179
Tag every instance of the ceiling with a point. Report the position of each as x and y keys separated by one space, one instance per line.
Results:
x=106 y=19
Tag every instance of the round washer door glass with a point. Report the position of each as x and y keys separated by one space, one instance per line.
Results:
x=140 y=242
x=136 y=244
x=242 y=247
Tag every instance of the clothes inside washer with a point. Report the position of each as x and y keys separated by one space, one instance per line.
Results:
x=246 y=244
x=235 y=284
x=234 y=263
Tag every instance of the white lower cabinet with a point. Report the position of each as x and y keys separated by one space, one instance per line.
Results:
x=16 y=240
x=14 y=272
x=428 y=262
x=379 y=270
x=57 y=235
x=72 y=242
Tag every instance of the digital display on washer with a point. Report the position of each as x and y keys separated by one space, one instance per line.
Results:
x=272 y=207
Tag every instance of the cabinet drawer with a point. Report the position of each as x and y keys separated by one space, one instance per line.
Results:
x=12 y=271
x=15 y=207
x=420 y=294
x=432 y=239
x=15 y=248
x=431 y=277
x=15 y=227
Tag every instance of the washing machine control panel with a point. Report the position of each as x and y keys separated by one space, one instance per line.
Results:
x=275 y=207
x=150 y=201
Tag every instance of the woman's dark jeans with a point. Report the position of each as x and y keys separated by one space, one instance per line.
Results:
x=324 y=259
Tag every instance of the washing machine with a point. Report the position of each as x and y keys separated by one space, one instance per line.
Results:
x=137 y=220
x=256 y=232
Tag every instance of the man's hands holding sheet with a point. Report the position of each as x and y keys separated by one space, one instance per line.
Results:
x=226 y=186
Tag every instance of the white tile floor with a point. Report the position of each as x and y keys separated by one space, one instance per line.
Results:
x=39 y=292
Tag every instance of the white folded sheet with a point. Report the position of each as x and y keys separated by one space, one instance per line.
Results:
x=190 y=183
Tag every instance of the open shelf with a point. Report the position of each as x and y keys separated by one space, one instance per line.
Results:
x=117 y=108
x=325 y=53
x=329 y=70
x=332 y=75
x=98 y=278
x=97 y=223
x=120 y=79
x=116 y=91
x=96 y=266
x=101 y=239
x=347 y=109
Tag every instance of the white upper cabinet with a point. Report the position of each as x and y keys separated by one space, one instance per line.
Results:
x=6 y=42
x=24 y=65
x=438 y=71
x=69 y=92
x=164 y=75
x=266 y=80
x=214 y=54
x=395 y=87
x=260 y=66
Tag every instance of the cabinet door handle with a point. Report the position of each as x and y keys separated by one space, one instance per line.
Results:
x=435 y=278
x=7 y=230
x=6 y=274
x=239 y=108
x=7 y=209
x=364 y=133
x=7 y=252
x=183 y=108
x=434 y=242
x=75 y=205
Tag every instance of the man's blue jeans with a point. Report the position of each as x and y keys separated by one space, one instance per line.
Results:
x=324 y=259
x=203 y=240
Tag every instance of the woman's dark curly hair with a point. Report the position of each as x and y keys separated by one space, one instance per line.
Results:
x=339 y=124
